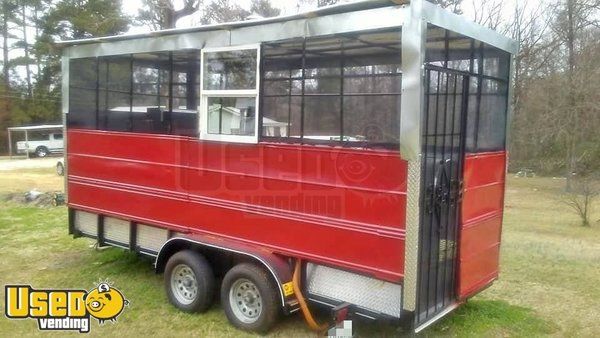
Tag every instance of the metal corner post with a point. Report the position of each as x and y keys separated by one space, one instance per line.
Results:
x=413 y=57
x=65 y=111
x=510 y=100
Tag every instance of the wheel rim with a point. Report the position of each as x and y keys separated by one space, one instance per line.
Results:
x=245 y=300
x=184 y=284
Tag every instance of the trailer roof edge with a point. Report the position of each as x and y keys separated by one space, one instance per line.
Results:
x=440 y=17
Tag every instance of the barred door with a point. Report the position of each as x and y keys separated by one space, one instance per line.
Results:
x=446 y=97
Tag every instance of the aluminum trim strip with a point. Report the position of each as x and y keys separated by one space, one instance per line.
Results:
x=436 y=317
x=65 y=110
x=413 y=56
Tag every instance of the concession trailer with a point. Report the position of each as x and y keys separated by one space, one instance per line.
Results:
x=351 y=157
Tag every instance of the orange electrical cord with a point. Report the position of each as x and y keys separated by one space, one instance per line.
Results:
x=310 y=320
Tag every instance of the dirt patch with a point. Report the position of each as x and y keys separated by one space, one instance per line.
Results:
x=38 y=199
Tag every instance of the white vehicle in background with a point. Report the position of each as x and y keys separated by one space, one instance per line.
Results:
x=42 y=146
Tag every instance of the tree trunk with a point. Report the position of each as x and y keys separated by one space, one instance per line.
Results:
x=4 y=115
x=5 y=58
x=26 y=50
x=571 y=161
x=38 y=62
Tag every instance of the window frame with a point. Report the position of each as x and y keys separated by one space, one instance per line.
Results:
x=205 y=94
x=342 y=94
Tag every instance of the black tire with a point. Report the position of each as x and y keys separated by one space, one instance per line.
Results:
x=60 y=169
x=41 y=151
x=204 y=278
x=268 y=297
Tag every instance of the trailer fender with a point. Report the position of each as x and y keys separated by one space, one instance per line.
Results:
x=279 y=267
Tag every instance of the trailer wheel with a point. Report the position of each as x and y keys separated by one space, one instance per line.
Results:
x=189 y=281
x=250 y=298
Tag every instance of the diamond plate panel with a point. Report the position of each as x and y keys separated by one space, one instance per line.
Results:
x=369 y=293
x=412 y=234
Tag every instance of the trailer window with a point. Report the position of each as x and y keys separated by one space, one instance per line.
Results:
x=229 y=94
x=341 y=90
x=83 y=78
x=114 y=93
x=144 y=93
x=487 y=68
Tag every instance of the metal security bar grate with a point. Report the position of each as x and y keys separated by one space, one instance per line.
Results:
x=443 y=154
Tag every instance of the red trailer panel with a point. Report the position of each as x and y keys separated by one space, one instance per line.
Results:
x=481 y=221
x=329 y=205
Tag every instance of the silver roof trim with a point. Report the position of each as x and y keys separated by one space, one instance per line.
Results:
x=445 y=19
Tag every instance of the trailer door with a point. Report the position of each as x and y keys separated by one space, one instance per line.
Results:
x=443 y=154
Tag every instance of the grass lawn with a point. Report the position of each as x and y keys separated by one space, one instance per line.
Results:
x=548 y=283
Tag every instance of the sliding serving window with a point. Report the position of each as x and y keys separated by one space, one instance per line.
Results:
x=230 y=94
x=341 y=90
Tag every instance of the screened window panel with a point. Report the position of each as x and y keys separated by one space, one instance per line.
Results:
x=492 y=116
x=185 y=93
x=82 y=73
x=332 y=94
x=117 y=114
x=115 y=73
x=487 y=68
x=277 y=87
x=495 y=62
x=322 y=86
x=82 y=93
x=373 y=119
x=150 y=93
x=322 y=118
x=281 y=116
x=82 y=108
x=134 y=93
x=386 y=84
x=472 y=112
x=460 y=52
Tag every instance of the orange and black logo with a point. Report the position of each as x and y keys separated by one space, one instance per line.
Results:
x=57 y=309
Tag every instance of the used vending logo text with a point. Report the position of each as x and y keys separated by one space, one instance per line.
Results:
x=57 y=309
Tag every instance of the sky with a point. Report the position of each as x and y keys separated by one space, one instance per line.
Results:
x=289 y=7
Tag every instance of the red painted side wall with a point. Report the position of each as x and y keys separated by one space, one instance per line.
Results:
x=338 y=206
x=481 y=221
